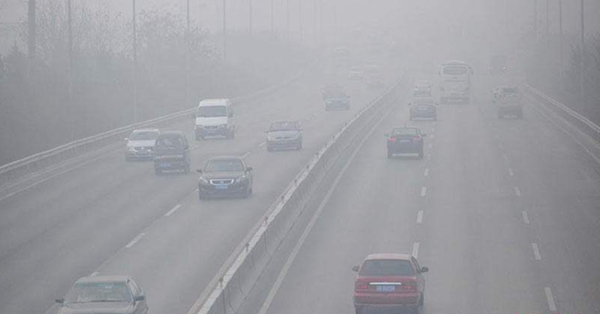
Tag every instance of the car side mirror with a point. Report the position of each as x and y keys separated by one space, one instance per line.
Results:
x=199 y=170
x=424 y=269
x=60 y=301
x=139 y=298
x=249 y=168
x=355 y=269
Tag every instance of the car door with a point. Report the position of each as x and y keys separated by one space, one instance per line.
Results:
x=420 y=278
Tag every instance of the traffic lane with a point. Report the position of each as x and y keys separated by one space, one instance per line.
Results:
x=58 y=272
x=473 y=238
x=206 y=232
x=560 y=188
x=374 y=209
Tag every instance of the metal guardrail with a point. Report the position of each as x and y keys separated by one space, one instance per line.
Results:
x=591 y=128
x=229 y=288
x=49 y=157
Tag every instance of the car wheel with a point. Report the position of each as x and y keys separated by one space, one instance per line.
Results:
x=422 y=300
x=390 y=155
x=200 y=196
x=358 y=309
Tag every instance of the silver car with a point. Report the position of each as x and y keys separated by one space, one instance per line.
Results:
x=140 y=144
x=284 y=135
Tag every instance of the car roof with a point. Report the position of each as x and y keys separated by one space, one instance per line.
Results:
x=167 y=133
x=388 y=256
x=111 y=278
x=212 y=102
x=405 y=127
x=225 y=158
x=146 y=130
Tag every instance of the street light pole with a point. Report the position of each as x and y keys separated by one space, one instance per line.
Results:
x=224 y=29
x=582 y=59
x=272 y=18
x=134 y=63
x=250 y=17
x=187 y=55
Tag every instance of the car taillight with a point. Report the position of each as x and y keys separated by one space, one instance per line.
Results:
x=409 y=287
x=392 y=139
x=360 y=285
x=417 y=138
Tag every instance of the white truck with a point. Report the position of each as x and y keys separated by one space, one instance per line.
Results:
x=455 y=81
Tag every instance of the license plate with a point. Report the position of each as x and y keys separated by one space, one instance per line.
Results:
x=386 y=288
x=404 y=141
x=164 y=164
x=221 y=187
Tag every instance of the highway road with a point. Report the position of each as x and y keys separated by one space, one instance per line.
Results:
x=505 y=213
x=113 y=217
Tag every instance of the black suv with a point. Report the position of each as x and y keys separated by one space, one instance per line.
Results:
x=171 y=152
x=405 y=140
x=224 y=176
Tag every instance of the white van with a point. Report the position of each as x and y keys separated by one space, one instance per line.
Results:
x=214 y=117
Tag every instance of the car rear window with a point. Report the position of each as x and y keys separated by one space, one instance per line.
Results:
x=143 y=135
x=405 y=131
x=283 y=126
x=386 y=268
x=99 y=292
x=169 y=141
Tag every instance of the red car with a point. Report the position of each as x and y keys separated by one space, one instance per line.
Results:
x=392 y=281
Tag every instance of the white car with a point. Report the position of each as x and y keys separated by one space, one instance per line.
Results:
x=214 y=118
x=140 y=144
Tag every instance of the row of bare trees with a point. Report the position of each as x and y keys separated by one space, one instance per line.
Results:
x=55 y=99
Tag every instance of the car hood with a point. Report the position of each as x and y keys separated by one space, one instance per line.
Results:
x=222 y=175
x=163 y=151
x=97 y=308
x=288 y=133
x=141 y=143
x=212 y=121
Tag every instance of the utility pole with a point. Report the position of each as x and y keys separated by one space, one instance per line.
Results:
x=535 y=20
x=224 y=29
x=31 y=32
x=187 y=55
x=560 y=38
x=582 y=60
x=272 y=19
x=548 y=20
x=250 y=17
x=135 y=74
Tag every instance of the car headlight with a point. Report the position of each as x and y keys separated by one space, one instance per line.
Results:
x=223 y=126
x=203 y=180
x=240 y=179
x=131 y=148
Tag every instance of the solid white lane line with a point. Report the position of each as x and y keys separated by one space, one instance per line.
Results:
x=94 y=274
x=525 y=217
x=245 y=155
x=536 y=251
x=550 y=299
x=135 y=240
x=415 y=251
x=262 y=144
x=423 y=191
x=517 y=191
x=426 y=173
x=511 y=172
x=169 y=213
x=420 y=217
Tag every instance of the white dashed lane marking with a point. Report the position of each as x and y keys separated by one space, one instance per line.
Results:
x=262 y=144
x=550 y=299
x=536 y=251
x=415 y=251
x=169 y=213
x=517 y=191
x=420 y=217
x=94 y=274
x=525 y=217
x=245 y=155
x=135 y=240
x=423 y=191
x=426 y=173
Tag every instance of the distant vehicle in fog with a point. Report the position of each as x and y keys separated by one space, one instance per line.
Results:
x=389 y=281
x=497 y=64
x=140 y=144
x=335 y=98
x=104 y=294
x=225 y=176
x=455 y=81
x=214 y=117
x=422 y=88
x=355 y=73
x=284 y=135
x=405 y=140
x=171 y=152
x=423 y=108
x=509 y=101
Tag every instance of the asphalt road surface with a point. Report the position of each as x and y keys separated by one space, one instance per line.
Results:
x=505 y=213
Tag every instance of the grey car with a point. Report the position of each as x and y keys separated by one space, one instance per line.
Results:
x=104 y=294
x=284 y=135
x=225 y=176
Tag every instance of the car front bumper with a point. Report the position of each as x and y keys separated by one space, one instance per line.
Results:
x=235 y=188
x=283 y=144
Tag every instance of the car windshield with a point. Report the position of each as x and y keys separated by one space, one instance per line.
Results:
x=454 y=70
x=390 y=267
x=334 y=92
x=212 y=111
x=283 y=126
x=224 y=165
x=99 y=292
x=143 y=135
x=405 y=131
x=171 y=142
